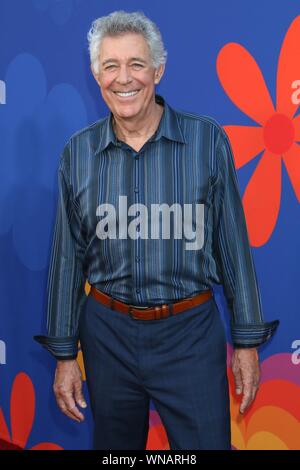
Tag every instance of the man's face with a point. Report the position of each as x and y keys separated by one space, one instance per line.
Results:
x=126 y=67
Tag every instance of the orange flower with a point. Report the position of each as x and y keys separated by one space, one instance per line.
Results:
x=277 y=134
x=272 y=422
x=22 y=409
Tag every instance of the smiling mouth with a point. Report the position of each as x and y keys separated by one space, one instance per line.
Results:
x=126 y=94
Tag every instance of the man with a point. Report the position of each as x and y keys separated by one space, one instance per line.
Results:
x=150 y=328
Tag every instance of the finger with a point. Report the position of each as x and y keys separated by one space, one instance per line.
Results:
x=70 y=415
x=71 y=405
x=64 y=410
x=247 y=398
x=76 y=412
x=238 y=381
x=79 y=398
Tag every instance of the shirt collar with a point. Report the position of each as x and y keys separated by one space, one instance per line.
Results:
x=169 y=127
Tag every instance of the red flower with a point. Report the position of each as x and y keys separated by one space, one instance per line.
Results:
x=276 y=135
x=22 y=410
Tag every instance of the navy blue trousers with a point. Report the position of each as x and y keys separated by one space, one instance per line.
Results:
x=178 y=362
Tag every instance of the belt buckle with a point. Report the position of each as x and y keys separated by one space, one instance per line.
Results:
x=132 y=314
x=130 y=307
x=156 y=307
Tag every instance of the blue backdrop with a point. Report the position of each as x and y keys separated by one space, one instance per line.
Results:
x=47 y=92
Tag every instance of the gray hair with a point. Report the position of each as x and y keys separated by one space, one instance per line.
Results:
x=120 y=22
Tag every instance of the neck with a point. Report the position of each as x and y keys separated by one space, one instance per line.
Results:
x=140 y=127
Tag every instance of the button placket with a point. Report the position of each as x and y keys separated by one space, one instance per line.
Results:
x=136 y=188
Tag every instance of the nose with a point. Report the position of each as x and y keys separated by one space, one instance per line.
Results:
x=124 y=76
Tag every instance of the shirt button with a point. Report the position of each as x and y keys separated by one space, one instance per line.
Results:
x=136 y=189
x=137 y=258
x=138 y=290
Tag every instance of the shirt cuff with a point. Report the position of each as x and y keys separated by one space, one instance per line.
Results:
x=61 y=347
x=252 y=335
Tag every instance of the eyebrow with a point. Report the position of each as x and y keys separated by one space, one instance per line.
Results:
x=139 y=59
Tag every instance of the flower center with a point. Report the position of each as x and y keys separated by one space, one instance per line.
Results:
x=279 y=133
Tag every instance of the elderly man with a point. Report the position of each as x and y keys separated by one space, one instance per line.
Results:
x=150 y=327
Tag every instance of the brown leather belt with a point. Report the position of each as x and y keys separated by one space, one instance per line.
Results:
x=150 y=313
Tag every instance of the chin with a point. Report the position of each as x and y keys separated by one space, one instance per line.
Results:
x=129 y=113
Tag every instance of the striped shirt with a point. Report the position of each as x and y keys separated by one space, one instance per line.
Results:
x=187 y=163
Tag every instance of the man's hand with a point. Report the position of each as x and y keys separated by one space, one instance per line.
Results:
x=246 y=371
x=68 y=389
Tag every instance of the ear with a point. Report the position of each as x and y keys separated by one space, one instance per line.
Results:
x=159 y=73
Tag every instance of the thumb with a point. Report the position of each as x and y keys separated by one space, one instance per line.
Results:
x=79 y=396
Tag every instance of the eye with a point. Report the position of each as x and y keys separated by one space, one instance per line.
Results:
x=137 y=66
x=110 y=67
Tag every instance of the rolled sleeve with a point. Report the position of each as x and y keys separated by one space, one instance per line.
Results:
x=66 y=279
x=250 y=336
x=62 y=348
x=234 y=257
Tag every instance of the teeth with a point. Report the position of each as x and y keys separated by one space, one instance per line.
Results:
x=130 y=93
